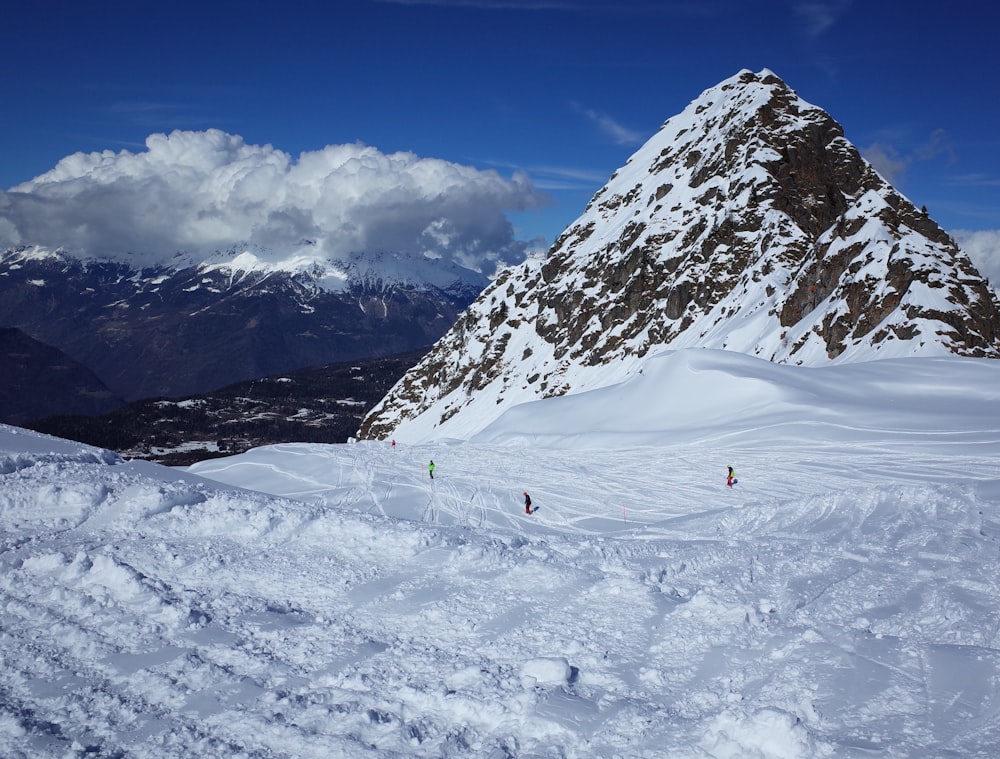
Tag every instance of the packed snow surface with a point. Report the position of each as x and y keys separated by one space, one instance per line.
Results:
x=842 y=599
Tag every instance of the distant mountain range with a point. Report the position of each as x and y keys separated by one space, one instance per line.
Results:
x=190 y=328
x=748 y=223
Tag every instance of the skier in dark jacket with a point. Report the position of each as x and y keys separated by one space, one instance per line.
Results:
x=527 y=503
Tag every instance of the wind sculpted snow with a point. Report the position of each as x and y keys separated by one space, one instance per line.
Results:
x=332 y=601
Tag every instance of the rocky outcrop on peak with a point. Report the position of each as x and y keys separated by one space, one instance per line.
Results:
x=747 y=223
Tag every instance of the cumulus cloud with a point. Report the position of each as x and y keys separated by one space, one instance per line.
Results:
x=200 y=192
x=983 y=247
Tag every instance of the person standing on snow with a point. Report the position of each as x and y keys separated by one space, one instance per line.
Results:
x=527 y=503
x=430 y=468
x=731 y=477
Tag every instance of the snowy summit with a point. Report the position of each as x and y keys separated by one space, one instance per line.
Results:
x=747 y=223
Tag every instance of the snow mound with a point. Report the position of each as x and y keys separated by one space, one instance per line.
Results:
x=768 y=734
x=696 y=395
x=546 y=672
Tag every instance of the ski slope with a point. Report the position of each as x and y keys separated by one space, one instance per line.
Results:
x=306 y=600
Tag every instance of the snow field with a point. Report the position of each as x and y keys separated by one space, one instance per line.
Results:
x=763 y=597
x=841 y=600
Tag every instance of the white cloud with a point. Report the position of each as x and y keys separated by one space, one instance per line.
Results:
x=974 y=180
x=886 y=160
x=621 y=135
x=551 y=177
x=891 y=164
x=199 y=192
x=818 y=17
x=983 y=247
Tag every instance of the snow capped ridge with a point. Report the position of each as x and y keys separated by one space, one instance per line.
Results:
x=747 y=223
x=305 y=264
x=377 y=270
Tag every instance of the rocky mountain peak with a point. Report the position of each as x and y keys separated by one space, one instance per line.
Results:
x=747 y=223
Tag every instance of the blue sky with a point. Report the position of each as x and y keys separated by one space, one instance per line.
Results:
x=560 y=90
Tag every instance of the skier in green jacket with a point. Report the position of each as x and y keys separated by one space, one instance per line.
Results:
x=430 y=468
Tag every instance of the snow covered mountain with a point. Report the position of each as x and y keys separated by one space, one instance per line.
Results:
x=196 y=326
x=747 y=223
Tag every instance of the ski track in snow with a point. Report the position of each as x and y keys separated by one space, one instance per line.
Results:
x=837 y=601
